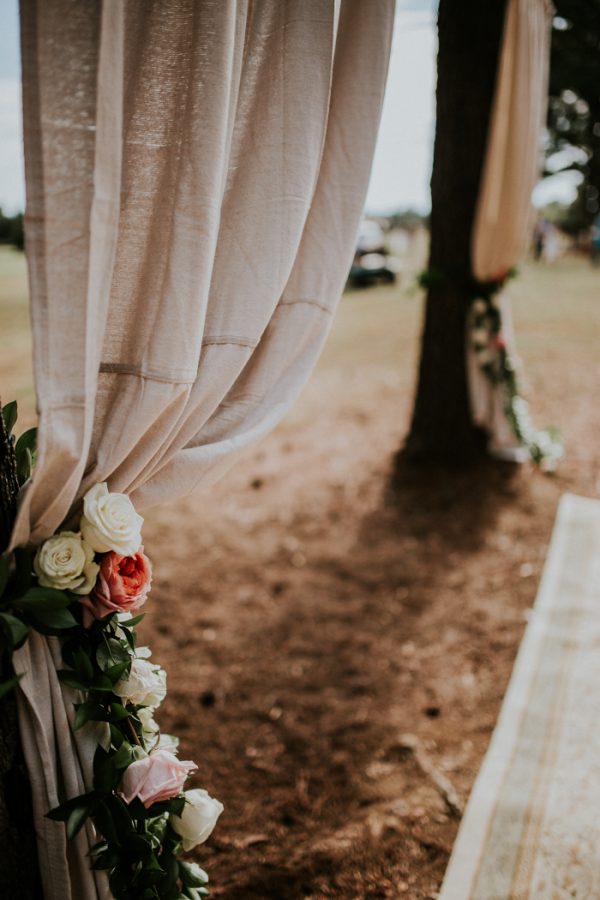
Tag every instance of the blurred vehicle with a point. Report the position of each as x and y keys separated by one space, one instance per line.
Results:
x=372 y=263
x=370 y=268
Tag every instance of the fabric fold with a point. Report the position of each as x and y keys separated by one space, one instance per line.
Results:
x=195 y=174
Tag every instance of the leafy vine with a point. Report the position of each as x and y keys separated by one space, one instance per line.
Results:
x=85 y=588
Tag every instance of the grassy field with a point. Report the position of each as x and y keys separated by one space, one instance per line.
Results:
x=556 y=308
x=16 y=378
x=314 y=625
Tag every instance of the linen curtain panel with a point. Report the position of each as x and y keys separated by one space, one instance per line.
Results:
x=196 y=172
x=503 y=219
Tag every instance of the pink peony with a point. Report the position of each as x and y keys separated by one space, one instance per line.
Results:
x=123 y=585
x=157 y=777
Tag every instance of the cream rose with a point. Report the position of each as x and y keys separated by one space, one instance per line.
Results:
x=199 y=817
x=110 y=522
x=66 y=562
x=146 y=684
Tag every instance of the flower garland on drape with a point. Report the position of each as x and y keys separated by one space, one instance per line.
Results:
x=485 y=334
x=87 y=587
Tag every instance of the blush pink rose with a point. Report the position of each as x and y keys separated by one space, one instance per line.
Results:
x=123 y=585
x=157 y=777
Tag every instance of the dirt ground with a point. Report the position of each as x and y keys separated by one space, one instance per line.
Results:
x=337 y=651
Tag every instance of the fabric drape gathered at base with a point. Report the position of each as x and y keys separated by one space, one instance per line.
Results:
x=195 y=171
x=503 y=222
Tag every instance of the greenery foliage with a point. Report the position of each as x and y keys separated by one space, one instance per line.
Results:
x=137 y=845
x=574 y=103
x=543 y=445
x=11 y=230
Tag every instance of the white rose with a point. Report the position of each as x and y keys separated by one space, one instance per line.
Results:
x=150 y=727
x=199 y=817
x=66 y=562
x=146 y=684
x=110 y=522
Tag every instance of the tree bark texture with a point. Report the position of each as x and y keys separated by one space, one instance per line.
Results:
x=470 y=34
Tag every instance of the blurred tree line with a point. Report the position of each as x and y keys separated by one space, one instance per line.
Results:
x=11 y=230
x=574 y=105
x=408 y=219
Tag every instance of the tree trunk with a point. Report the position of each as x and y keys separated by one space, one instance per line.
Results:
x=19 y=873
x=470 y=33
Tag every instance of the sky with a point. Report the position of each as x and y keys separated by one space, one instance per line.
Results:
x=11 y=150
x=402 y=164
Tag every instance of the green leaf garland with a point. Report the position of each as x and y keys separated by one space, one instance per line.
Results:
x=136 y=845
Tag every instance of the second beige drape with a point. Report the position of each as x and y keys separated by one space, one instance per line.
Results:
x=504 y=217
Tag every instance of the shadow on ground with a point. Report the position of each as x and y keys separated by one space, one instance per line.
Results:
x=335 y=658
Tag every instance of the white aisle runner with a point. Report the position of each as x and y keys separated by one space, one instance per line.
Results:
x=532 y=826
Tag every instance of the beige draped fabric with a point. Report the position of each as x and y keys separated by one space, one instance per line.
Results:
x=196 y=171
x=504 y=220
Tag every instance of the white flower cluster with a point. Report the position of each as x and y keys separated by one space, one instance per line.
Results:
x=66 y=561
x=109 y=522
x=544 y=447
x=146 y=687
